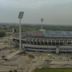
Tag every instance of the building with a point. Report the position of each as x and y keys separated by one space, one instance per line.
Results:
x=45 y=41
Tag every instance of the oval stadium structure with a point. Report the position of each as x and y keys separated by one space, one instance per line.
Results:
x=45 y=41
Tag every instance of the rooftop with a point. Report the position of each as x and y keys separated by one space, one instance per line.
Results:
x=47 y=34
x=58 y=34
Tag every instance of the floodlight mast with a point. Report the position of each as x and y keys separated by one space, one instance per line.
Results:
x=42 y=23
x=20 y=37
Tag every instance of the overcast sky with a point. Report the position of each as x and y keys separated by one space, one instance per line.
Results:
x=53 y=11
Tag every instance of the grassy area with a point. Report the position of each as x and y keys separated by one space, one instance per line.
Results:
x=53 y=70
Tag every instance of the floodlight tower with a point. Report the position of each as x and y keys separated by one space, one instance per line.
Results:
x=20 y=16
x=42 y=29
x=42 y=23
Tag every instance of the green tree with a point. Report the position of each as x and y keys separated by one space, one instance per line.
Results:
x=2 y=33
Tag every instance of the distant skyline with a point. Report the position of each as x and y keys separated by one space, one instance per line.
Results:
x=53 y=11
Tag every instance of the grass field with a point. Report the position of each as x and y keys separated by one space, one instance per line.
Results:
x=53 y=70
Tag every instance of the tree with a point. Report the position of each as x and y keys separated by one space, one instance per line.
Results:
x=2 y=33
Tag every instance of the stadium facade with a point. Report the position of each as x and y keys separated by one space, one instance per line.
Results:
x=45 y=41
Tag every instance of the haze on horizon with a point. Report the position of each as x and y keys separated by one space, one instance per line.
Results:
x=53 y=11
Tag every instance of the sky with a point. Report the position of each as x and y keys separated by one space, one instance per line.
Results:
x=54 y=12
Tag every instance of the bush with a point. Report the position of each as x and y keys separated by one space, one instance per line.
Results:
x=31 y=56
x=10 y=71
x=2 y=34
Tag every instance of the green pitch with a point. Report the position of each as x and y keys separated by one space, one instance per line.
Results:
x=53 y=70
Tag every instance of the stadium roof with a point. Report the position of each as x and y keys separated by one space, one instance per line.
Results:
x=47 y=34
x=58 y=34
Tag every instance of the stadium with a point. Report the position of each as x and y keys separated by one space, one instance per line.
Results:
x=45 y=41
